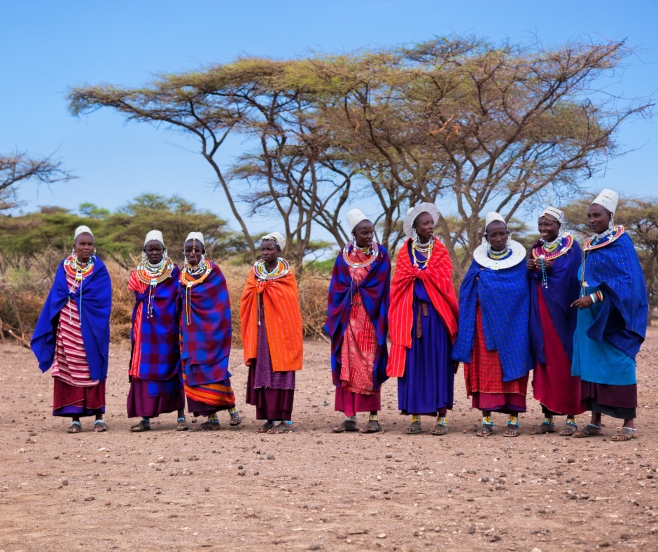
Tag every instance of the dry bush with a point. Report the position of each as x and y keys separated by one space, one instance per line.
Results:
x=313 y=290
x=23 y=293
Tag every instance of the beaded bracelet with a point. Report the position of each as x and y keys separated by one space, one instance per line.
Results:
x=597 y=297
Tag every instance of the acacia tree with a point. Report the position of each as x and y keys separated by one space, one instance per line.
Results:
x=640 y=218
x=18 y=168
x=489 y=126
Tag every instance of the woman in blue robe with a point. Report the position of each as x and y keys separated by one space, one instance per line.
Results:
x=612 y=319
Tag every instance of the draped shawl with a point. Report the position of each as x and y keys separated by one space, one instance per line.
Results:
x=283 y=321
x=374 y=290
x=563 y=289
x=437 y=280
x=205 y=344
x=157 y=335
x=615 y=269
x=94 y=301
x=504 y=298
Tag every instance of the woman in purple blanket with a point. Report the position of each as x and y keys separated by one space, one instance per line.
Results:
x=357 y=324
x=156 y=386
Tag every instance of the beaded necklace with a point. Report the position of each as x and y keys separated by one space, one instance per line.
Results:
x=188 y=282
x=152 y=275
x=552 y=250
x=373 y=251
x=597 y=241
x=79 y=273
x=498 y=255
x=282 y=269
x=423 y=249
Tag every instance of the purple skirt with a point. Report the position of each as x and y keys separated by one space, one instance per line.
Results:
x=141 y=404
x=349 y=403
x=271 y=404
x=427 y=385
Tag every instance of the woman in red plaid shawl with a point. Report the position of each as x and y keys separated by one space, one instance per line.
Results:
x=156 y=386
x=205 y=336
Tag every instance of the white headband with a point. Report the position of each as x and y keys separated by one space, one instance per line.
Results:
x=276 y=237
x=608 y=199
x=198 y=236
x=82 y=230
x=553 y=212
x=154 y=235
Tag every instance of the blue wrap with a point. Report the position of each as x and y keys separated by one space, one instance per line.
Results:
x=615 y=270
x=94 y=309
x=504 y=297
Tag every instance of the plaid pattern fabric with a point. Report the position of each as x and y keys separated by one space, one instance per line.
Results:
x=436 y=277
x=504 y=296
x=206 y=342
x=615 y=269
x=374 y=292
x=155 y=353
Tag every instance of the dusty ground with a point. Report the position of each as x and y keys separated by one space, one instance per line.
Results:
x=313 y=490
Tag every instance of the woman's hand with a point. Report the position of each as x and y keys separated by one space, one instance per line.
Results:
x=548 y=264
x=530 y=264
x=583 y=303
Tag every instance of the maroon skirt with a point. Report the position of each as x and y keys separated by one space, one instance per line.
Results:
x=70 y=401
x=271 y=404
x=617 y=401
x=141 y=404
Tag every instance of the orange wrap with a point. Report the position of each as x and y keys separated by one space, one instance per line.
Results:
x=283 y=321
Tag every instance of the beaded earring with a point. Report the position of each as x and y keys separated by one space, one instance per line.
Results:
x=73 y=250
x=611 y=224
x=143 y=256
x=414 y=234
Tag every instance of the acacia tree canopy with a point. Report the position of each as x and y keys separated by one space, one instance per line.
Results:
x=476 y=125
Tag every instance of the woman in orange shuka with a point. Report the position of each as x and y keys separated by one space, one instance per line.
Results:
x=272 y=336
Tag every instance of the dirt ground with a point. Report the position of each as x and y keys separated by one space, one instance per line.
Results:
x=314 y=490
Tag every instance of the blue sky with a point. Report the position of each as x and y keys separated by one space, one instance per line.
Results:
x=46 y=47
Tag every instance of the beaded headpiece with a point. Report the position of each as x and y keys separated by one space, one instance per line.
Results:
x=198 y=236
x=608 y=199
x=82 y=230
x=413 y=213
x=154 y=235
x=354 y=217
x=553 y=213
x=275 y=237
x=492 y=216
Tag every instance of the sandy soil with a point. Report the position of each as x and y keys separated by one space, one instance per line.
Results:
x=314 y=490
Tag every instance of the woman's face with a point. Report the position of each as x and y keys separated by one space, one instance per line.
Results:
x=497 y=235
x=84 y=247
x=364 y=233
x=424 y=225
x=154 y=251
x=598 y=218
x=193 y=250
x=548 y=228
x=269 y=251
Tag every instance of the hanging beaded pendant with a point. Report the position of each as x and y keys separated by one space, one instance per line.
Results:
x=590 y=245
x=72 y=267
x=153 y=275
x=549 y=253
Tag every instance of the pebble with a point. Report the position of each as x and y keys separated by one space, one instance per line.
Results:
x=571 y=460
x=270 y=457
x=437 y=529
x=536 y=549
x=314 y=547
x=471 y=530
x=381 y=536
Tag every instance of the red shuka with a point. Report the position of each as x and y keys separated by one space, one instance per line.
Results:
x=437 y=279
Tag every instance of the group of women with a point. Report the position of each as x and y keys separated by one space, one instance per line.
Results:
x=576 y=317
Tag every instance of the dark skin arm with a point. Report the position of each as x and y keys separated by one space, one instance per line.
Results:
x=583 y=302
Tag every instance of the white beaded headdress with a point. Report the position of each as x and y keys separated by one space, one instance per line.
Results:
x=198 y=236
x=608 y=199
x=412 y=215
x=492 y=216
x=154 y=235
x=554 y=213
x=276 y=237
x=82 y=230
x=354 y=217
